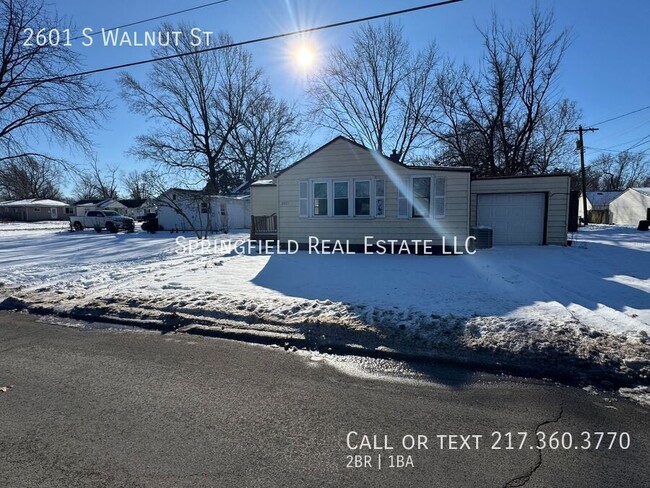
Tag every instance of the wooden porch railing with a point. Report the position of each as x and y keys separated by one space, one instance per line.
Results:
x=264 y=227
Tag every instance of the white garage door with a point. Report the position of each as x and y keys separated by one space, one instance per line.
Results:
x=517 y=219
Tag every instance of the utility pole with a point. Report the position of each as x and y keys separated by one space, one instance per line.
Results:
x=583 y=174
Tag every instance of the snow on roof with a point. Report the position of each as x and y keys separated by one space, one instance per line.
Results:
x=269 y=181
x=645 y=191
x=34 y=202
x=602 y=197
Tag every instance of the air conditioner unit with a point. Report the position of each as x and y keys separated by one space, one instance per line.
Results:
x=483 y=237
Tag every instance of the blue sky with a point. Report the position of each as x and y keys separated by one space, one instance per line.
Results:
x=606 y=71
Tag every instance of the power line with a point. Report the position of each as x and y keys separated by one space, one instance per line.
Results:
x=633 y=141
x=623 y=115
x=601 y=149
x=639 y=143
x=151 y=19
x=252 y=41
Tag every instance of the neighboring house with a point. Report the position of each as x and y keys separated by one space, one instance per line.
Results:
x=35 y=209
x=630 y=207
x=85 y=206
x=137 y=208
x=346 y=192
x=180 y=209
x=598 y=206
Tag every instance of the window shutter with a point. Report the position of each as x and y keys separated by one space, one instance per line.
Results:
x=303 y=199
x=402 y=200
x=439 y=203
x=380 y=198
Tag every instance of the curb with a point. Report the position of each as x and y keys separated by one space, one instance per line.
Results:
x=484 y=361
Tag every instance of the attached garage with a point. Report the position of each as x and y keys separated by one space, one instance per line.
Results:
x=522 y=210
x=516 y=219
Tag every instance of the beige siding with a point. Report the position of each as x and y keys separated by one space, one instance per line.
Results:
x=630 y=207
x=556 y=187
x=264 y=200
x=342 y=159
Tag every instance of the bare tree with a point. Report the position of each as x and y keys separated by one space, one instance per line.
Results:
x=265 y=140
x=136 y=184
x=84 y=189
x=378 y=92
x=97 y=182
x=65 y=110
x=194 y=103
x=28 y=177
x=621 y=171
x=506 y=118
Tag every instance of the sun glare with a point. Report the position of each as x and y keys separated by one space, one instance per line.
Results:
x=304 y=57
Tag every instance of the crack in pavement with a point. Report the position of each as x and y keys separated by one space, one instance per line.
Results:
x=521 y=480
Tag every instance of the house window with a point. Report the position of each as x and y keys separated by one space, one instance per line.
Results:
x=320 y=199
x=380 y=198
x=303 y=196
x=341 y=198
x=421 y=197
x=37 y=209
x=440 y=197
x=362 y=198
x=69 y=211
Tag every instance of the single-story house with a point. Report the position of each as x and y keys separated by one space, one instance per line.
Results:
x=137 y=208
x=345 y=192
x=598 y=206
x=630 y=207
x=180 y=209
x=35 y=209
x=85 y=206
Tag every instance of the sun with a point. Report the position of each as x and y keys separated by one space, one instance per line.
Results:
x=304 y=57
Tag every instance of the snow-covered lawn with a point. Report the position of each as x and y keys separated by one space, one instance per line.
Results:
x=594 y=295
x=42 y=225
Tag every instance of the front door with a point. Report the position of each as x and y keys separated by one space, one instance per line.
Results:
x=54 y=214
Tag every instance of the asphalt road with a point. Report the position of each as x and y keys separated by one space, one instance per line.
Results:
x=130 y=408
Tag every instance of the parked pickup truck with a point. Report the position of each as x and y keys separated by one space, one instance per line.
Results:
x=103 y=219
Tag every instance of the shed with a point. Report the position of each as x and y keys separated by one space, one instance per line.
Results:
x=630 y=207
